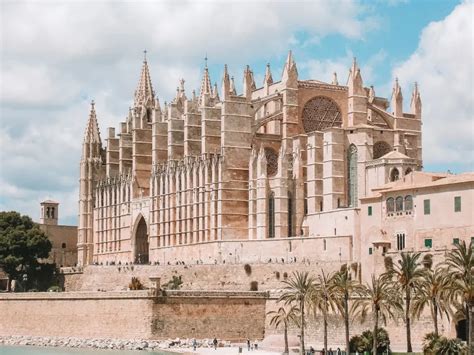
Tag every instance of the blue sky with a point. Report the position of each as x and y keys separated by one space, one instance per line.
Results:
x=56 y=56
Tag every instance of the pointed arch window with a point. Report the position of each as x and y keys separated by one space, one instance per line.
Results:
x=352 y=175
x=290 y=214
x=408 y=203
x=271 y=215
x=399 y=204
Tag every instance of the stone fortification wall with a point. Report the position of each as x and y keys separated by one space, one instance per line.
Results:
x=134 y=314
x=232 y=277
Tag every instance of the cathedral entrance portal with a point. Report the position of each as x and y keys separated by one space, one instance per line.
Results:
x=141 y=243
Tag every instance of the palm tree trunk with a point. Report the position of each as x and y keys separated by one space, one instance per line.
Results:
x=470 y=326
x=286 y=340
x=302 y=328
x=325 y=325
x=407 y=319
x=346 y=322
x=434 y=315
x=376 y=326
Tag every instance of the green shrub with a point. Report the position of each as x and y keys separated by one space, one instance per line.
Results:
x=175 y=283
x=435 y=344
x=362 y=343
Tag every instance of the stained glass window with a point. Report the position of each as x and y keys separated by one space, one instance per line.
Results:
x=352 y=174
x=320 y=113
x=271 y=215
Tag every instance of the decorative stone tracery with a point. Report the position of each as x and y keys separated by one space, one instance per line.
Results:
x=272 y=161
x=320 y=113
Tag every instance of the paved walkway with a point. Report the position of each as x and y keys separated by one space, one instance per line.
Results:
x=233 y=350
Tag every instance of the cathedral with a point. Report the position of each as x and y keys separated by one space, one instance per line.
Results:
x=291 y=159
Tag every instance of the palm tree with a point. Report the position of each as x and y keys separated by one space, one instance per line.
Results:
x=322 y=300
x=433 y=293
x=344 y=288
x=284 y=317
x=383 y=300
x=460 y=269
x=408 y=275
x=297 y=292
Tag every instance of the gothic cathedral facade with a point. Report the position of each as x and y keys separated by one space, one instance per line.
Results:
x=290 y=159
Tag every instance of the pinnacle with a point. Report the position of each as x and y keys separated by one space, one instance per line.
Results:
x=144 y=90
x=92 y=134
x=205 y=85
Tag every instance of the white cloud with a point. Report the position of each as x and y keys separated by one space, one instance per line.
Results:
x=57 y=56
x=443 y=66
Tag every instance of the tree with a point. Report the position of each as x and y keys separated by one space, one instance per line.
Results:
x=284 y=317
x=323 y=300
x=345 y=288
x=408 y=275
x=384 y=302
x=460 y=269
x=22 y=245
x=297 y=292
x=433 y=293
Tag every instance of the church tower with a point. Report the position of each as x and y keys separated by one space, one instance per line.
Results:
x=90 y=173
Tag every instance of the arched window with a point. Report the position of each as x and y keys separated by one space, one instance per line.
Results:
x=399 y=204
x=63 y=245
x=408 y=203
x=271 y=215
x=380 y=149
x=52 y=212
x=390 y=205
x=408 y=171
x=394 y=174
x=320 y=113
x=352 y=175
x=290 y=214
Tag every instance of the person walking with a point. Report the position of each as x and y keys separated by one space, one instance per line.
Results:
x=194 y=344
x=248 y=344
x=215 y=343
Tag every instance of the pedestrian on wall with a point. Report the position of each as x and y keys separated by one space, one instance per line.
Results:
x=215 y=343
x=248 y=344
x=194 y=344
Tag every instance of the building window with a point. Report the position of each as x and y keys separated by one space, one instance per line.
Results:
x=390 y=205
x=370 y=251
x=369 y=210
x=394 y=175
x=457 y=204
x=428 y=243
x=408 y=203
x=400 y=241
x=427 y=206
x=408 y=171
x=324 y=244
x=63 y=245
x=455 y=241
x=352 y=175
x=399 y=204
x=271 y=215
x=290 y=215
x=305 y=206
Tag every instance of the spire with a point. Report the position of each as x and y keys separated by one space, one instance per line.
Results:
x=268 y=76
x=144 y=91
x=233 y=91
x=356 y=86
x=92 y=134
x=415 y=104
x=371 y=93
x=290 y=73
x=249 y=83
x=205 y=85
x=225 y=84
x=397 y=99
x=334 y=79
x=215 y=93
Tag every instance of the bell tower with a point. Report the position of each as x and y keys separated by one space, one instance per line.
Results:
x=49 y=212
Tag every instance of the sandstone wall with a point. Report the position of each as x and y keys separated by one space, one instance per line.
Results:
x=134 y=314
